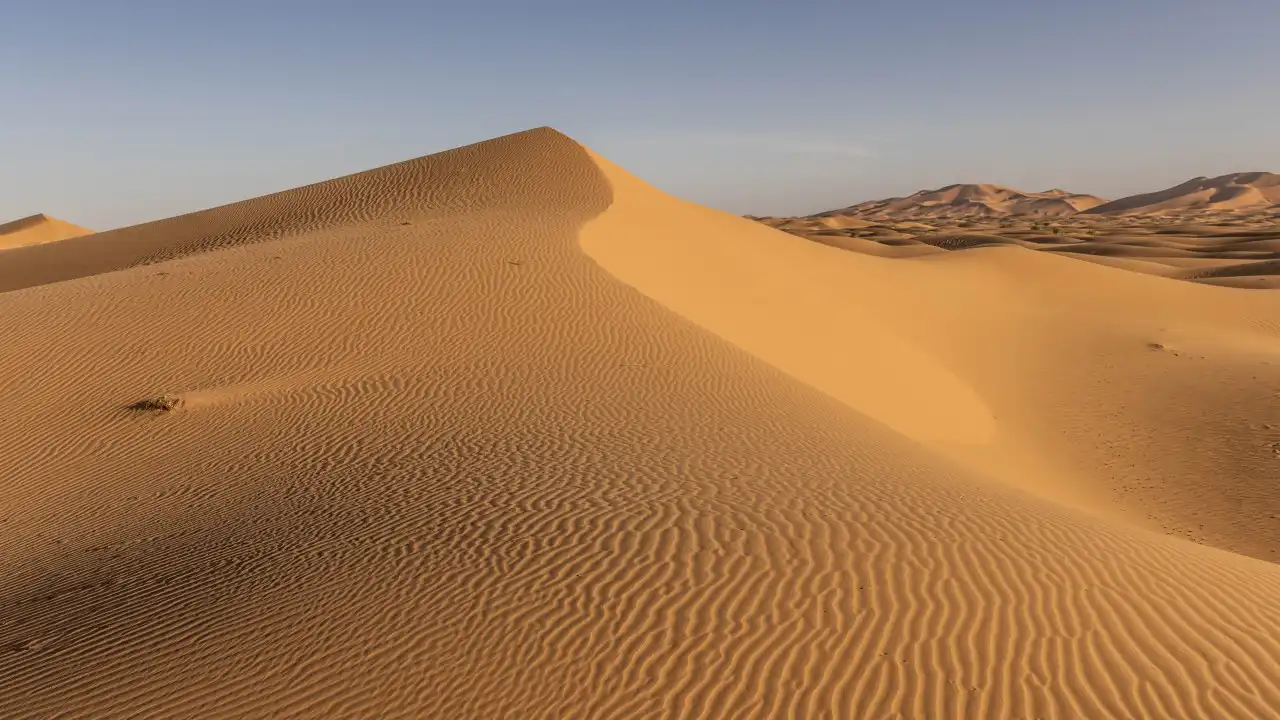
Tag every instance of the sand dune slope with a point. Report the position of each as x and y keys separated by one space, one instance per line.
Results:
x=504 y=432
x=1129 y=395
x=37 y=230
x=365 y=200
x=970 y=200
x=1225 y=192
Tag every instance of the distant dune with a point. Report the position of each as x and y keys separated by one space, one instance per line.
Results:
x=1237 y=191
x=1225 y=194
x=1220 y=231
x=37 y=230
x=962 y=201
x=505 y=432
x=1239 y=249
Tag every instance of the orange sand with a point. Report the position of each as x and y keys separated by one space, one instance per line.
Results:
x=36 y=230
x=505 y=432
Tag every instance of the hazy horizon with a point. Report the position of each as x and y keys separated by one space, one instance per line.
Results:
x=123 y=114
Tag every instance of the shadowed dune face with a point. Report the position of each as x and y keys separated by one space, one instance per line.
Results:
x=474 y=436
x=37 y=230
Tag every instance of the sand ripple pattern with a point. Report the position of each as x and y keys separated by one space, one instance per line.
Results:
x=455 y=469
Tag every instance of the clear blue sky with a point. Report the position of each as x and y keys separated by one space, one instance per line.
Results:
x=113 y=113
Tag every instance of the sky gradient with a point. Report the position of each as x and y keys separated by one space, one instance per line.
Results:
x=118 y=113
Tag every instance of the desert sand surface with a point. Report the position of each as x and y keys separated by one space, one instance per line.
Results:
x=1175 y=233
x=506 y=432
x=37 y=230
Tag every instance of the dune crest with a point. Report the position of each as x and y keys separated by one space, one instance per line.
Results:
x=468 y=436
x=1231 y=192
x=37 y=230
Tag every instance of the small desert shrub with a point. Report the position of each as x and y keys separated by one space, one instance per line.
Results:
x=160 y=403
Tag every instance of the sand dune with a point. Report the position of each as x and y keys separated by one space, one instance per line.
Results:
x=966 y=201
x=1240 y=250
x=506 y=432
x=1219 y=231
x=37 y=230
x=1224 y=193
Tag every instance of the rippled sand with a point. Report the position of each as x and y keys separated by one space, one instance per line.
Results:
x=505 y=432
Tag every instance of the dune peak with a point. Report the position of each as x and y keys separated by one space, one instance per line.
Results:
x=969 y=200
x=1225 y=193
x=37 y=229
